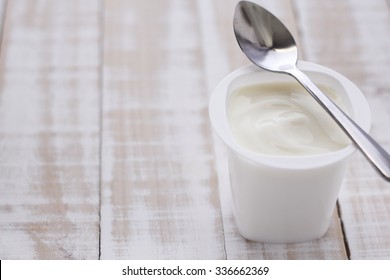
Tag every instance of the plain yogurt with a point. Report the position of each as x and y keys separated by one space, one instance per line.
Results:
x=284 y=119
x=290 y=196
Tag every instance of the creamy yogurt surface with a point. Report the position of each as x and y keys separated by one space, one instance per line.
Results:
x=283 y=119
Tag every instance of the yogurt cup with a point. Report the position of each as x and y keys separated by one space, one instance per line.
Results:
x=284 y=198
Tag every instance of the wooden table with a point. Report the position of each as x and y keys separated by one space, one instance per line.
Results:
x=106 y=149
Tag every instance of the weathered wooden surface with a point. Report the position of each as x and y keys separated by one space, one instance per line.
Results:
x=159 y=193
x=105 y=145
x=49 y=130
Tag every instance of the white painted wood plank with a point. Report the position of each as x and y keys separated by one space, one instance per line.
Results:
x=159 y=190
x=49 y=131
x=223 y=55
x=353 y=37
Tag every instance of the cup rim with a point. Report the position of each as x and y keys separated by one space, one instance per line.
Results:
x=219 y=120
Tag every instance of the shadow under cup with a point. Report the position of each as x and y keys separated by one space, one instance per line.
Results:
x=283 y=199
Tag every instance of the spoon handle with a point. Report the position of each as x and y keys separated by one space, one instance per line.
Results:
x=368 y=146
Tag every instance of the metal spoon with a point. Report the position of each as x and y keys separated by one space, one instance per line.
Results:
x=268 y=44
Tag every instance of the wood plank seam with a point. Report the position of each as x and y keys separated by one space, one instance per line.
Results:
x=346 y=244
x=101 y=22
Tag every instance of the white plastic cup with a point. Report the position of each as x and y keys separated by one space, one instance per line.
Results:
x=284 y=199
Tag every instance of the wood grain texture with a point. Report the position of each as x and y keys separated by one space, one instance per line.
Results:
x=49 y=100
x=353 y=38
x=159 y=190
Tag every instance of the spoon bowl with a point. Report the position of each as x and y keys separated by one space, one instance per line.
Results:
x=255 y=30
x=267 y=42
